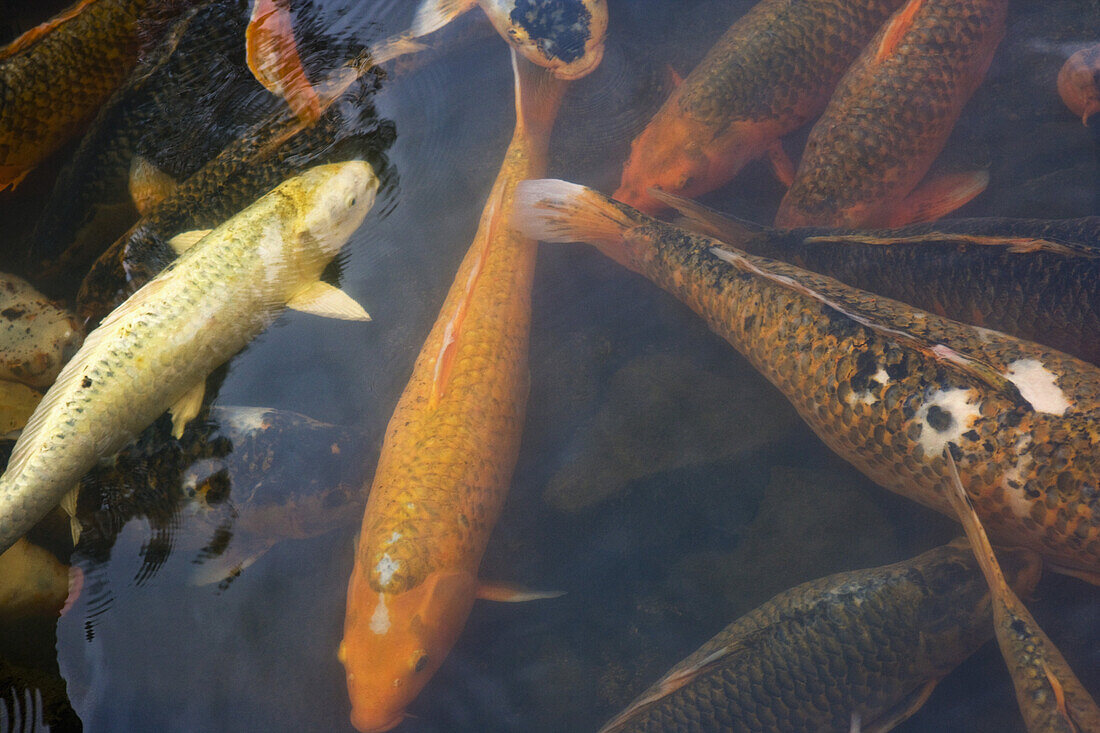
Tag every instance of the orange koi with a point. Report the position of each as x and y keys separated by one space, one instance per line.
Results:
x=891 y=116
x=1078 y=83
x=771 y=73
x=449 y=450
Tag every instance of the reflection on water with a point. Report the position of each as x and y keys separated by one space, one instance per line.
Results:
x=662 y=483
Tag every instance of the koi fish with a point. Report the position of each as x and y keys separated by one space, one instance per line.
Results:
x=564 y=36
x=884 y=385
x=270 y=151
x=1032 y=278
x=449 y=449
x=772 y=72
x=156 y=350
x=186 y=100
x=55 y=76
x=867 y=644
x=1077 y=83
x=37 y=336
x=1051 y=697
x=891 y=116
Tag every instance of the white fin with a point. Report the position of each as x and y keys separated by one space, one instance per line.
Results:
x=236 y=558
x=552 y=210
x=508 y=593
x=186 y=408
x=68 y=505
x=183 y=242
x=434 y=14
x=149 y=185
x=322 y=299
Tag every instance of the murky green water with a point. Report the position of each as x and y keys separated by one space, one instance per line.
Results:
x=662 y=483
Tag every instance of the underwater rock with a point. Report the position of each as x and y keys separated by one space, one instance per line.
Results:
x=663 y=413
x=36 y=336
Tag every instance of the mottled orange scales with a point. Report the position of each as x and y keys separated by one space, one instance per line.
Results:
x=891 y=116
x=885 y=385
x=55 y=76
x=449 y=450
x=771 y=73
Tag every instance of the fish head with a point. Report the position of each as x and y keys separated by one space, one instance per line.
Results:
x=394 y=643
x=564 y=36
x=336 y=199
x=671 y=155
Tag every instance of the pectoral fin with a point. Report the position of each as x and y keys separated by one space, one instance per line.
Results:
x=781 y=163
x=241 y=553
x=904 y=710
x=508 y=593
x=186 y=408
x=322 y=299
x=68 y=505
x=705 y=220
x=939 y=198
x=149 y=185
x=183 y=242
x=897 y=27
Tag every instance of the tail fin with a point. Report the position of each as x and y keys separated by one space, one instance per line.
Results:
x=538 y=96
x=558 y=211
x=434 y=14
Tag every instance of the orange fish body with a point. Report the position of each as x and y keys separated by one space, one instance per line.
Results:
x=771 y=73
x=449 y=450
x=55 y=76
x=891 y=116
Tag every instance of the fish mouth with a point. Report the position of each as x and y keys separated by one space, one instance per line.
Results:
x=364 y=722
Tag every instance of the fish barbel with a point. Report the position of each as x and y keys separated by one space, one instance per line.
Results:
x=1050 y=696
x=883 y=384
x=1032 y=278
x=873 y=643
x=891 y=116
x=54 y=76
x=449 y=449
x=156 y=350
x=772 y=72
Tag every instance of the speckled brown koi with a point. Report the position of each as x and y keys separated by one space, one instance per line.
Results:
x=891 y=116
x=870 y=643
x=771 y=73
x=54 y=76
x=885 y=385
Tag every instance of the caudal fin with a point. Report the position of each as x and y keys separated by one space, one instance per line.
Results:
x=552 y=210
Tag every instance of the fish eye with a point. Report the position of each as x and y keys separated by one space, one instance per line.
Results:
x=421 y=662
x=351 y=201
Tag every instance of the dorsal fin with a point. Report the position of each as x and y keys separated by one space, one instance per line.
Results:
x=896 y=27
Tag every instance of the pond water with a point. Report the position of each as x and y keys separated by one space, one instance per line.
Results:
x=660 y=531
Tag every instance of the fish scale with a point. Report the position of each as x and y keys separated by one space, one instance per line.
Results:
x=885 y=385
x=865 y=641
x=891 y=116
x=170 y=335
x=54 y=83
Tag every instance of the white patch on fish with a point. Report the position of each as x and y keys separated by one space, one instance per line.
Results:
x=960 y=406
x=881 y=377
x=393 y=538
x=385 y=568
x=1038 y=385
x=248 y=419
x=380 y=619
x=1014 y=495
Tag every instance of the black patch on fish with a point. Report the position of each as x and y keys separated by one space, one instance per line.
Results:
x=86 y=382
x=1013 y=418
x=939 y=419
x=12 y=313
x=971 y=435
x=899 y=370
x=559 y=28
x=1019 y=627
x=866 y=367
x=841 y=325
x=956 y=451
x=750 y=321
